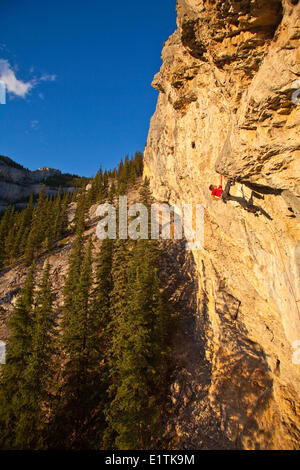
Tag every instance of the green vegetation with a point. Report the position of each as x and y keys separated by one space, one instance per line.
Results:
x=66 y=180
x=25 y=234
x=20 y=344
x=98 y=378
x=28 y=374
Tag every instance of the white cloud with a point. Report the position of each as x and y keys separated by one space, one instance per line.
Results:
x=16 y=86
x=13 y=85
x=47 y=78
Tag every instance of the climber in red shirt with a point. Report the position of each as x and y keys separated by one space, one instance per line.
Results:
x=217 y=192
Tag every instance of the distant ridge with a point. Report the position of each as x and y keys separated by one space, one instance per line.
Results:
x=17 y=183
x=8 y=161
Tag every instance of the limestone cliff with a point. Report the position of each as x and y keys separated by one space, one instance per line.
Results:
x=18 y=183
x=226 y=106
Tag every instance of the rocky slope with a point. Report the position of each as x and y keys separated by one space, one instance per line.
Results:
x=226 y=107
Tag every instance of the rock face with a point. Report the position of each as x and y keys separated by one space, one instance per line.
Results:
x=227 y=105
x=19 y=183
x=23 y=176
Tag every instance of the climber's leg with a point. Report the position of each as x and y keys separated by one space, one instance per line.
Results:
x=251 y=199
x=225 y=194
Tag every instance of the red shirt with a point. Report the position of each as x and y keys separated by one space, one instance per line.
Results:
x=217 y=192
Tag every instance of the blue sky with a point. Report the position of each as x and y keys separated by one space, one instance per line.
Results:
x=79 y=75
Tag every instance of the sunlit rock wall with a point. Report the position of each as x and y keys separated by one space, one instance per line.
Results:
x=228 y=105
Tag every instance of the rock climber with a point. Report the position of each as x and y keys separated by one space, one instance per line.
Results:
x=218 y=193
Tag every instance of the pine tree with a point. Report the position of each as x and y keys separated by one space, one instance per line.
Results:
x=39 y=219
x=139 y=346
x=28 y=212
x=104 y=283
x=112 y=192
x=56 y=216
x=62 y=222
x=105 y=185
x=145 y=193
x=23 y=241
x=99 y=341
x=30 y=248
x=138 y=163
x=118 y=310
x=6 y=226
x=18 y=352
x=39 y=229
x=77 y=392
x=72 y=280
x=96 y=193
x=137 y=351
x=9 y=245
x=39 y=372
x=19 y=233
x=81 y=212
x=61 y=421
